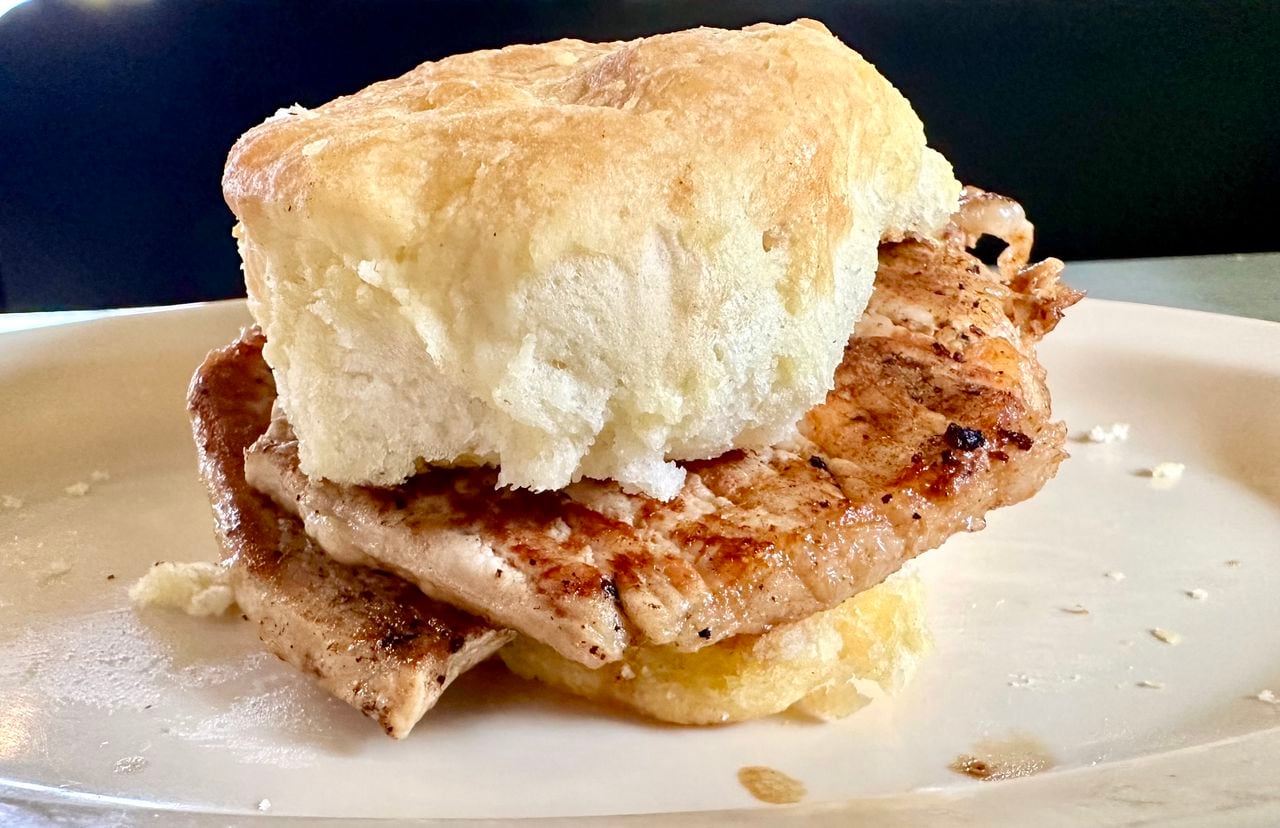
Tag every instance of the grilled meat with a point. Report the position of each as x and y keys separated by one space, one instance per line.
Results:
x=369 y=638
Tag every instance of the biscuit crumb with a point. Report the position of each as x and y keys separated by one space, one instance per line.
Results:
x=1151 y=685
x=264 y=805
x=1115 y=575
x=1167 y=636
x=1267 y=697
x=10 y=502
x=1076 y=610
x=77 y=489
x=200 y=588
x=1166 y=474
x=1197 y=594
x=1114 y=433
x=100 y=476
x=1233 y=563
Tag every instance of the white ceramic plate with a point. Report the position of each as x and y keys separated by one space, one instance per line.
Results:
x=107 y=712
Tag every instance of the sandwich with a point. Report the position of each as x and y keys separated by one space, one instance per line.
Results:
x=643 y=366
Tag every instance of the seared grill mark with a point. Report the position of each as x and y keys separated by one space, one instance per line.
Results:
x=964 y=439
x=1017 y=438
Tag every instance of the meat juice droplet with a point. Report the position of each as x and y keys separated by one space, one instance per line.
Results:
x=771 y=786
x=1011 y=758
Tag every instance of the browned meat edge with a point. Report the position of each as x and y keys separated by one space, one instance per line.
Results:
x=369 y=638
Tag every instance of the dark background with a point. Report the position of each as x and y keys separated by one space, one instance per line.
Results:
x=1128 y=129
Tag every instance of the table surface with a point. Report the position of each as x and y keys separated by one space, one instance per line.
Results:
x=1238 y=285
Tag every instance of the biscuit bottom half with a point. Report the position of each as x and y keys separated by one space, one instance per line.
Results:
x=826 y=666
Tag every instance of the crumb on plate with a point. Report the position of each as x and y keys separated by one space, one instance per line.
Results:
x=1167 y=636
x=1113 y=433
x=199 y=588
x=1167 y=472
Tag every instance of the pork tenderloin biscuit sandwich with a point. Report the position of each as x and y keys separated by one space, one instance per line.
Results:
x=646 y=365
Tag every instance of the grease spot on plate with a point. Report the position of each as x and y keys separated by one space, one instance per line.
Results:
x=769 y=785
x=1011 y=758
